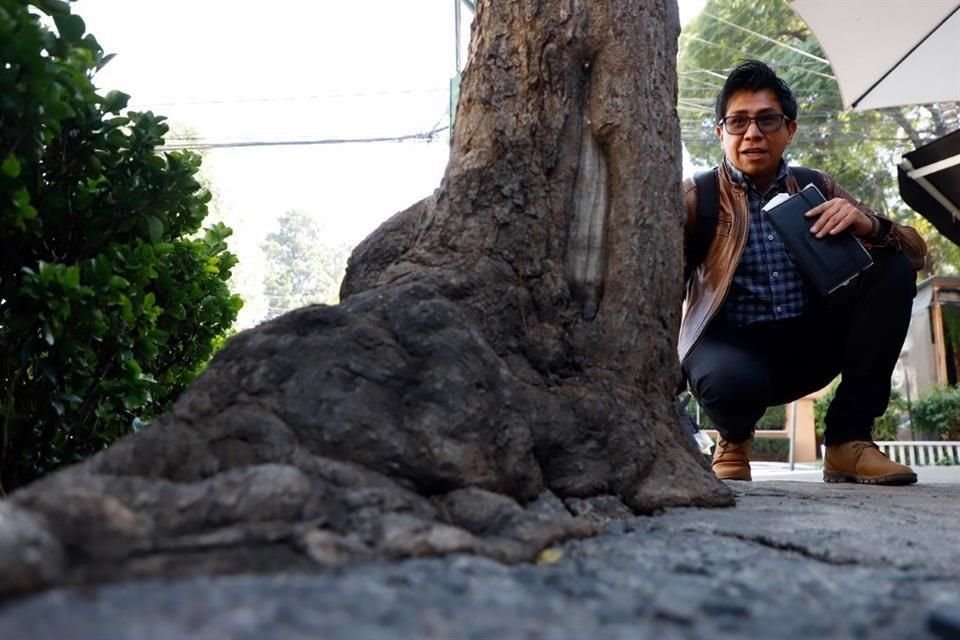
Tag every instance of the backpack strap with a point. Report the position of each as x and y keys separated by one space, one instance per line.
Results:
x=806 y=176
x=708 y=210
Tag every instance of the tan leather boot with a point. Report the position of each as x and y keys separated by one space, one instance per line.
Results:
x=731 y=461
x=862 y=461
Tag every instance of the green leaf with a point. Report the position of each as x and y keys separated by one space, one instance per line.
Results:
x=104 y=60
x=71 y=277
x=70 y=27
x=72 y=398
x=52 y=7
x=49 y=371
x=133 y=366
x=89 y=42
x=154 y=229
x=117 y=139
x=10 y=166
x=133 y=400
x=21 y=197
x=115 y=101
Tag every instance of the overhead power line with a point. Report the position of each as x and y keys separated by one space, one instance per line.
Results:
x=362 y=93
x=768 y=39
x=427 y=136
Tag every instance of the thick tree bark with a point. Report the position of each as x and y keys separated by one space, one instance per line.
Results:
x=499 y=373
x=558 y=228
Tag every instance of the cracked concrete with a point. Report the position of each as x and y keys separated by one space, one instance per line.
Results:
x=792 y=560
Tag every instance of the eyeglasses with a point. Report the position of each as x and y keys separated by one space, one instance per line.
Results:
x=767 y=123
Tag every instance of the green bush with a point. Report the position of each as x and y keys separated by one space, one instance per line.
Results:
x=884 y=428
x=948 y=461
x=937 y=412
x=771 y=449
x=109 y=300
x=774 y=418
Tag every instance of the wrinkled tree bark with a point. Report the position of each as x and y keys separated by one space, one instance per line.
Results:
x=499 y=373
x=558 y=229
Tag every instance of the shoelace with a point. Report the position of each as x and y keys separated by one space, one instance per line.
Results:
x=863 y=444
x=724 y=447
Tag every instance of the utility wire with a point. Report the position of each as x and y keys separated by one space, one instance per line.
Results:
x=427 y=136
x=269 y=99
x=768 y=39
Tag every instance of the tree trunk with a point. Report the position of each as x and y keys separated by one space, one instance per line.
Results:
x=558 y=228
x=499 y=375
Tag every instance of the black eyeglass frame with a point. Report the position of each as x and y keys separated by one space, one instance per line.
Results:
x=781 y=119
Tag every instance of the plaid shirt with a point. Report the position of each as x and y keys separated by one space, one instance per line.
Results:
x=766 y=284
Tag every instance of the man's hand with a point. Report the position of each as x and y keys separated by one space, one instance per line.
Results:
x=838 y=214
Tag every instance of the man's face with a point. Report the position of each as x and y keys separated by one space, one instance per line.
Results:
x=755 y=153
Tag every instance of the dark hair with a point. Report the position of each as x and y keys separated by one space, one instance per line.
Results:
x=753 y=75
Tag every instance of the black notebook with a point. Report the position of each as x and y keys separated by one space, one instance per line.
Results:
x=828 y=262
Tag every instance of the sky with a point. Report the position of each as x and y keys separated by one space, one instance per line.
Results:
x=303 y=71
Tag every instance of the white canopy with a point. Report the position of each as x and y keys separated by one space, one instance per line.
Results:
x=889 y=52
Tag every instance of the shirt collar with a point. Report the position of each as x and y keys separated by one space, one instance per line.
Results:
x=780 y=183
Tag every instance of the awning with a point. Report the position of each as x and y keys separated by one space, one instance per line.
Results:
x=929 y=180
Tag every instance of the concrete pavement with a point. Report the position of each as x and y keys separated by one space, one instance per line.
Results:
x=792 y=561
x=809 y=472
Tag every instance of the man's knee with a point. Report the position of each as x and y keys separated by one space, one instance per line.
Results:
x=731 y=389
x=732 y=400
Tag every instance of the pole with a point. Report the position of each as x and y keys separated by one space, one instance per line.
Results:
x=456 y=36
x=793 y=434
x=906 y=386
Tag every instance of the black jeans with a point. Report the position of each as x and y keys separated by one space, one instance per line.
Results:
x=857 y=331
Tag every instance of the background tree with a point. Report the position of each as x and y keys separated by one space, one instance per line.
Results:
x=860 y=149
x=302 y=266
x=109 y=300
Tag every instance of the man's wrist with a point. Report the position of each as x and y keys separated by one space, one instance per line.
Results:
x=879 y=231
x=866 y=232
